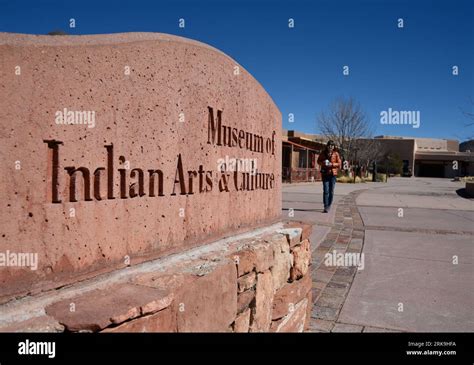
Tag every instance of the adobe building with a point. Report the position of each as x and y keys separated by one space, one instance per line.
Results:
x=429 y=157
x=300 y=152
x=422 y=157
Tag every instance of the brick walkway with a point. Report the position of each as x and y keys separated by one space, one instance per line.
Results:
x=331 y=284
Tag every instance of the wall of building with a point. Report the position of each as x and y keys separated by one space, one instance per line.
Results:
x=425 y=156
x=404 y=148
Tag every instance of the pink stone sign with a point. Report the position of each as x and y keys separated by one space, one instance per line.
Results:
x=116 y=149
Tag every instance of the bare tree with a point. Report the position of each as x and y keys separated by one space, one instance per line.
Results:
x=469 y=114
x=346 y=123
x=368 y=151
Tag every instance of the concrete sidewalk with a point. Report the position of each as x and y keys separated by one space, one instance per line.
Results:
x=418 y=271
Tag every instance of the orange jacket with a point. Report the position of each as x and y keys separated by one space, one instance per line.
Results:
x=335 y=160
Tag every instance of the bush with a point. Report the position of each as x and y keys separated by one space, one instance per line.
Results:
x=349 y=180
x=390 y=163
x=344 y=179
x=341 y=173
x=381 y=178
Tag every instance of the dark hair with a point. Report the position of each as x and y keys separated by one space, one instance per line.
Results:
x=329 y=143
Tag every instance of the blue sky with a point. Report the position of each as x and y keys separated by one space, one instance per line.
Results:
x=301 y=67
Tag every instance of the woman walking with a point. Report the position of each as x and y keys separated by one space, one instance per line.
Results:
x=330 y=162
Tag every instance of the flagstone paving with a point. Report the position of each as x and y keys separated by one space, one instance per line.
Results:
x=409 y=260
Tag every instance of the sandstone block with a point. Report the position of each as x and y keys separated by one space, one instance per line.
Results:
x=293 y=235
x=36 y=324
x=210 y=303
x=264 y=256
x=244 y=300
x=262 y=313
x=162 y=321
x=98 y=309
x=301 y=260
x=169 y=114
x=242 y=322
x=245 y=261
x=293 y=321
x=247 y=282
x=290 y=294
x=282 y=261
x=306 y=228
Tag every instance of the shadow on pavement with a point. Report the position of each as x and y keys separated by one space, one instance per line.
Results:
x=304 y=210
x=463 y=193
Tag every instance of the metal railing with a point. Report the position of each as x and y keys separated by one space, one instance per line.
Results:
x=300 y=174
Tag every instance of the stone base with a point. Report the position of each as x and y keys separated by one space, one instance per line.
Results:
x=255 y=282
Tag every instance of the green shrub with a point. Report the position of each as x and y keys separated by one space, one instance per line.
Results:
x=341 y=173
x=344 y=179
x=349 y=180
x=381 y=178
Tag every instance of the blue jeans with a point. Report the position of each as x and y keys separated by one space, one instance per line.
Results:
x=329 y=182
